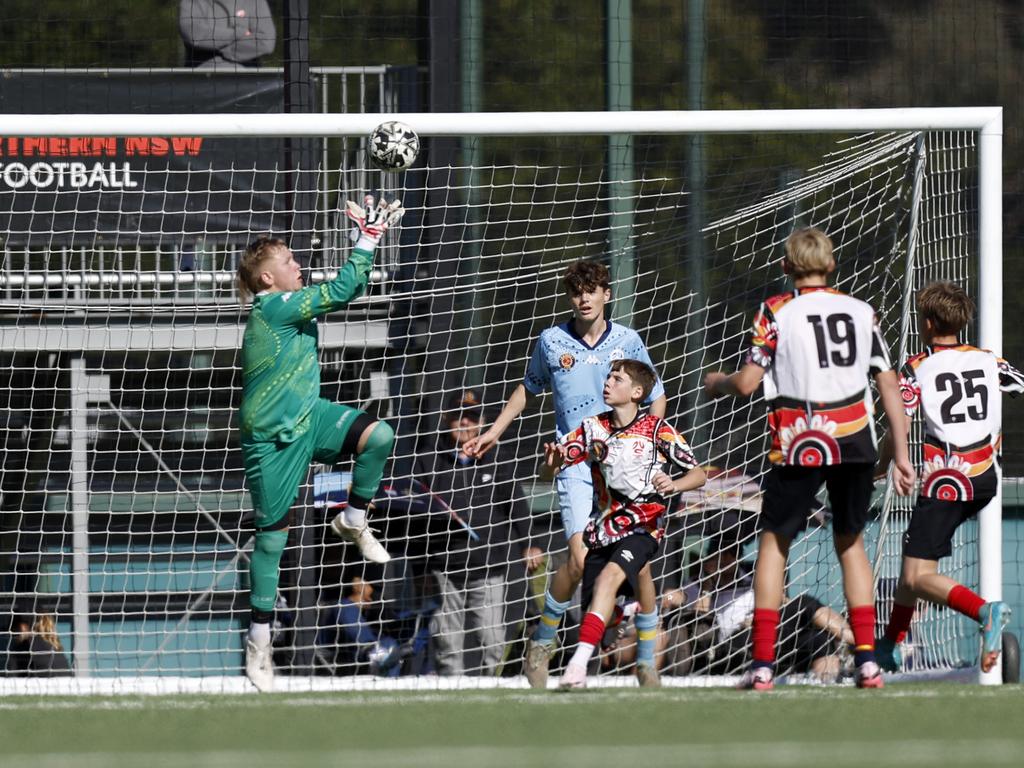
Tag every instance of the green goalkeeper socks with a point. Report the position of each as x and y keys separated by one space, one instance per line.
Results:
x=265 y=568
x=369 y=466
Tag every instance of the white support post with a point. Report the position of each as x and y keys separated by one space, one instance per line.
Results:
x=85 y=389
x=990 y=336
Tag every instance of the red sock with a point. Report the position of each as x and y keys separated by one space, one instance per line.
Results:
x=862 y=622
x=764 y=630
x=592 y=628
x=899 y=622
x=961 y=599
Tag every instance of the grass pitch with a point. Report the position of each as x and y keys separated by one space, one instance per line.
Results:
x=903 y=725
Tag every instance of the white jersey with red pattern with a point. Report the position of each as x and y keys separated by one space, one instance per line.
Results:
x=818 y=347
x=957 y=389
x=623 y=461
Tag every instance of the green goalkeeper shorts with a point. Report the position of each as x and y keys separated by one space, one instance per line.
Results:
x=275 y=470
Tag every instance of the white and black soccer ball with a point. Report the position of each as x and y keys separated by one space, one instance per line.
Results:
x=393 y=146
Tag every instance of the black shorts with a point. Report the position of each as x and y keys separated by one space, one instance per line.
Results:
x=933 y=523
x=631 y=554
x=789 y=497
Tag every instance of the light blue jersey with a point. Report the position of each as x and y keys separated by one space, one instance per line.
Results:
x=575 y=373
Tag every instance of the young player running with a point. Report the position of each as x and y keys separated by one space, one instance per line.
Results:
x=957 y=388
x=628 y=453
x=818 y=347
x=573 y=360
x=285 y=424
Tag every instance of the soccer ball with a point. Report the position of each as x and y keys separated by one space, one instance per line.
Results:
x=393 y=146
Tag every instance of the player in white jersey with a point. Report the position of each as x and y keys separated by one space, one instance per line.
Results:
x=815 y=348
x=629 y=454
x=956 y=387
x=572 y=360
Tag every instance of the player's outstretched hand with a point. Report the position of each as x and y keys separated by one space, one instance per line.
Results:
x=480 y=444
x=663 y=484
x=904 y=477
x=711 y=381
x=373 y=220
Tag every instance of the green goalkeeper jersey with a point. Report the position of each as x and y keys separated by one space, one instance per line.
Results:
x=280 y=363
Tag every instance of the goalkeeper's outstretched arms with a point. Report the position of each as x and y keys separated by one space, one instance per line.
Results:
x=269 y=267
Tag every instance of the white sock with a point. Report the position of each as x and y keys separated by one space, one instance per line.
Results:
x=582 y=656
x=354 y=517
x=259 y=634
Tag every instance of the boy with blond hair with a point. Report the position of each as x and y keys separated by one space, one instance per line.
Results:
x=956 y=386
x=628 y=453
x=284 y=424
x=815 y=348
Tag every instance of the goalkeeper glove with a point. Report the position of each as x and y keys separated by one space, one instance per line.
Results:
x=373 y=220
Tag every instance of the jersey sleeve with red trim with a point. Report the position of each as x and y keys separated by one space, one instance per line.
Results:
x=879 y=351
x=1011 y=380
x=764 y=337
x=675 y=448
x=910 y=387
x=575 y=445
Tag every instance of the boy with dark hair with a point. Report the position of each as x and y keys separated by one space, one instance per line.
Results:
x=628 y=453
x=572 y=360
x=815 y=348
x=951 y=383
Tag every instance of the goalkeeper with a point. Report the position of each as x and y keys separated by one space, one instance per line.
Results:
x=285 y=424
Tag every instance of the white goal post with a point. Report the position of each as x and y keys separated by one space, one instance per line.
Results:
x=90 y=308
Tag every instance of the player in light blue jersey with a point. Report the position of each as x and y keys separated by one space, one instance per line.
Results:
x=573 y=360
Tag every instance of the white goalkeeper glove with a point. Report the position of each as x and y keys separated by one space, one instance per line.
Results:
x=373 y=220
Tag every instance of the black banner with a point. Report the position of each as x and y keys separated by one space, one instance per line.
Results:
x=128 y=190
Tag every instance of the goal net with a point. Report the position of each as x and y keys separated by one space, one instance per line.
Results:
x=127 y=525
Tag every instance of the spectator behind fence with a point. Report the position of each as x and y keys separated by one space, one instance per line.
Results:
x=359 y=646
x=35 y=649
x=479 y=526
x=810 y=632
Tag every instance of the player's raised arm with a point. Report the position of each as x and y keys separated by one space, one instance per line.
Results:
x=743 y=383
x=481 y=444
x=370 y=224
x=764 y=336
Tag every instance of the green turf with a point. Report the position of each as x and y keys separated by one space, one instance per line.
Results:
x=933 y=725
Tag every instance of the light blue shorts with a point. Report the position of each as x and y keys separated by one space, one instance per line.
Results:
x=575 y=497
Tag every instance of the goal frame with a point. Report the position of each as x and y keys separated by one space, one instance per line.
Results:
x=987 y=122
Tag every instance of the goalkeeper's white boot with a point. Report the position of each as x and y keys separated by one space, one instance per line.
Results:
x=362 y=537
x=575 y=677
x=259 y=665
x=535 y=665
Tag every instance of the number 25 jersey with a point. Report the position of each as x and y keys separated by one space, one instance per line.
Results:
x=818 y=346
x=957 y=388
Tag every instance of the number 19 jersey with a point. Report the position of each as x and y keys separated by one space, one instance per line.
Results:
x=818 y=346
x=957 y=389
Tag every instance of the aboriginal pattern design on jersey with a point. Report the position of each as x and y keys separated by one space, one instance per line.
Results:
x=821 y=435
x=818 y=346
x=623 y=462
x=956 y=388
